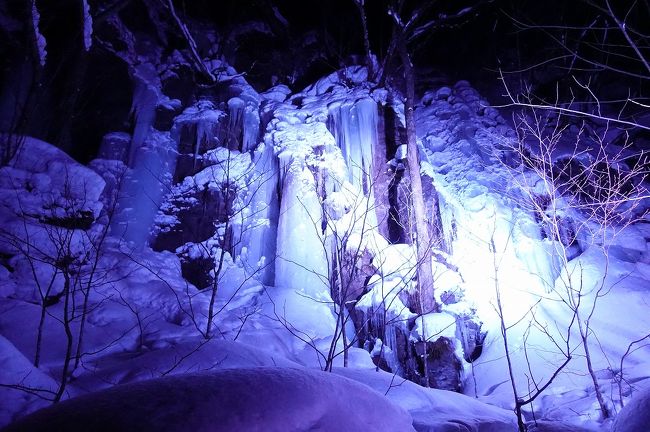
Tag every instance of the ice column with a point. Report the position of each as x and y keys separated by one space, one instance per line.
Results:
x=263 y=216
x=244 y=123
x=143 y=107
x=143 y=189
x=301 y=262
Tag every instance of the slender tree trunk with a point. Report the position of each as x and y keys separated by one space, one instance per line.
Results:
x=39 y=334
x=67 y=319
x=41 y=321
x=584 y=335
x=215 y=289
x=424 y=300
x=366 y=39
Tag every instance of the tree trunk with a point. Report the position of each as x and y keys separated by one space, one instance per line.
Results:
x=423 y=300
x=366 y=39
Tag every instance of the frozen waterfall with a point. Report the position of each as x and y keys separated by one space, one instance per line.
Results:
x=260 y=233
x=301 y=263
x=354 y=126
x=143 y=189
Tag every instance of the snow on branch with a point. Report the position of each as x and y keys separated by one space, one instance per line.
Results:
x=442 y=20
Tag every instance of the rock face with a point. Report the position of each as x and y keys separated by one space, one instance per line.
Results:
x=435 y=365
x=256 y=399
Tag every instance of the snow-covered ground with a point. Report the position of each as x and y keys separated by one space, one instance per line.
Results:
x=144 y=325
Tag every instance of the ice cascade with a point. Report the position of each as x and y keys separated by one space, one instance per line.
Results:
x=354 y=126
x=143 y=188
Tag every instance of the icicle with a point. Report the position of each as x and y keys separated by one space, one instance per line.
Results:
x=354 y=126
x=41 y=43
x=88 y=26
x=448 y=221
x=203 y=119
x=143 y=107
x=236 y=111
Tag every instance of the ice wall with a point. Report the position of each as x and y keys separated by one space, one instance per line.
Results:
x=481 y=223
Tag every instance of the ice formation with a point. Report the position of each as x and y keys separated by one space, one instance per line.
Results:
x=41 y=43
x=354 y=125
x=143 y=188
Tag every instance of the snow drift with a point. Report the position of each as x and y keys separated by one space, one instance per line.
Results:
x=255 y=399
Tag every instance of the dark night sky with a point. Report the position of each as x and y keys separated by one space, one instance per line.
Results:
x=304 y=40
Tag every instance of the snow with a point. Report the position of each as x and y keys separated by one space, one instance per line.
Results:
x=430 y=327
x=256 y=399
x=15 y=368
x=278 y=93
x=41 y=183
x=299 y=186
x=635 y=417
x=432 y=409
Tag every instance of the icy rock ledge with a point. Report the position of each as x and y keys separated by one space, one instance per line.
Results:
x=255 y=399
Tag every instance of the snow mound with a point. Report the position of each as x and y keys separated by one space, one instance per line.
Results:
x=17 y=373
x=255 y=399
x=44 y=182
x=635 y=416
x=432 y=409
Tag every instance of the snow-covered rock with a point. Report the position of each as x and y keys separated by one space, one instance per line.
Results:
x=432 y=409
x=44 y=183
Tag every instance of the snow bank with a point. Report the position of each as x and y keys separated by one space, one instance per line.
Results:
x=42 y=181
x=635 y=416
x=435 y=410
x=17 y=371
x=255 y=399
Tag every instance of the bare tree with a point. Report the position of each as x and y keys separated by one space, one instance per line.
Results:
x=411 y=25
x=559 y=343
x=584 y=53
x=582 y=196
